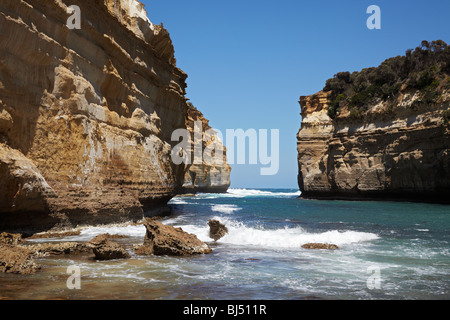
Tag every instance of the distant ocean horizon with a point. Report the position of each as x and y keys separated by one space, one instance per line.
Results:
x=387 y=250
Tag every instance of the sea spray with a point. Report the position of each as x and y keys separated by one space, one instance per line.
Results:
x=287 y=237
x=261 y=256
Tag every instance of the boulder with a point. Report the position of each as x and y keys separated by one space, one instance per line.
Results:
x=217 y=229
x=105 y=249
x=14 y=259
x=320 y=246
x=161 y=239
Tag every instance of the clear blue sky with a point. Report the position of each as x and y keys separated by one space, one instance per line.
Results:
x=248 y=61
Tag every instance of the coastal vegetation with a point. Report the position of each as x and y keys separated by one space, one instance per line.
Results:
x=425 y=69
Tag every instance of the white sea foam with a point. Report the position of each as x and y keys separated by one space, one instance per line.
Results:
x=177 y=201
x=88 y=233
x=130 y=230
x=240 y=234
x=242 y=193
x=264 y=193
x=225 y=208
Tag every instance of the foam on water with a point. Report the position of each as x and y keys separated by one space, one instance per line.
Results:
x=225 y=208
x=177 y=201
x=242 y=193
x=257 y=193
x=87 y=234
x=288 y=238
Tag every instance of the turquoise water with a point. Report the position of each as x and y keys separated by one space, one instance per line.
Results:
x=387 y=250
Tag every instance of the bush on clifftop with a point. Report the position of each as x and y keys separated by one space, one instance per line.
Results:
x=423 y=69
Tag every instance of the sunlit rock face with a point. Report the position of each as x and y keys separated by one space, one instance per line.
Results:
x=211 y=172
x=402 y=153
x=86 y=115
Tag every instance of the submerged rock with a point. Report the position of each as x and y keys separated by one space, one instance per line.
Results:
x=105 y=249
x=217 y=229
x=320 y=246
x=15 y=259
x=161 y=239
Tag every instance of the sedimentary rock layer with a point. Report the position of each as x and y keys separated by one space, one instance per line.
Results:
x=400 y=153
x=211 y=172
x=86 y=115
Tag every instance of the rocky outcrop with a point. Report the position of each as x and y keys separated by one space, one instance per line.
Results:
x=86 y=115
x=55 y=248
x=217 y=229
x=389 y=153
x=210 y=176
x=11 y=238
x=105 y=249
x=162 y=239
x=14 y=259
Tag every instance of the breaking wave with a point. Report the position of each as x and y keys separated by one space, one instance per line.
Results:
x=242 y=193
x=288 y=238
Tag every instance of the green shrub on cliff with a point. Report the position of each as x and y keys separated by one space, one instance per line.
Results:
x=422 y=69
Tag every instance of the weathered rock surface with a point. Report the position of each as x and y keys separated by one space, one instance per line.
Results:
x=46 y=235
x=105 y=249
x=14 y=259
x=403 y=153
x=326 y=246
x=161 y=239
x=11 y=238
x=86 y=115
x=211 y=176
x=55 y=248
x=217 y=229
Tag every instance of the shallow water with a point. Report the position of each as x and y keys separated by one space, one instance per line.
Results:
x=387 y=250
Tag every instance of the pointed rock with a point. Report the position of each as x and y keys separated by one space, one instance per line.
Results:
x=161 y=239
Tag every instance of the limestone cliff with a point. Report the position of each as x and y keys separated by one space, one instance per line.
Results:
x=202 y=176
x=86 y=115
x=397 y=154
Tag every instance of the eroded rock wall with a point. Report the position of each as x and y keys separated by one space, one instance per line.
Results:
x=211 y=173
x=86 y=115
x=401 y=153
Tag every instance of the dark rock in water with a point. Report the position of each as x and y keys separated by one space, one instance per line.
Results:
x=105 y=249
x=217 y=229
x=161 y=239
x=14 y=259
x=320 y=246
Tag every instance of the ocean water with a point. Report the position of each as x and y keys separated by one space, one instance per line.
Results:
x=387 y=250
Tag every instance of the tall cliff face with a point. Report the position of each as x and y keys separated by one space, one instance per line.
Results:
x=401 y=152
x=86 y=115
x=206 y=175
